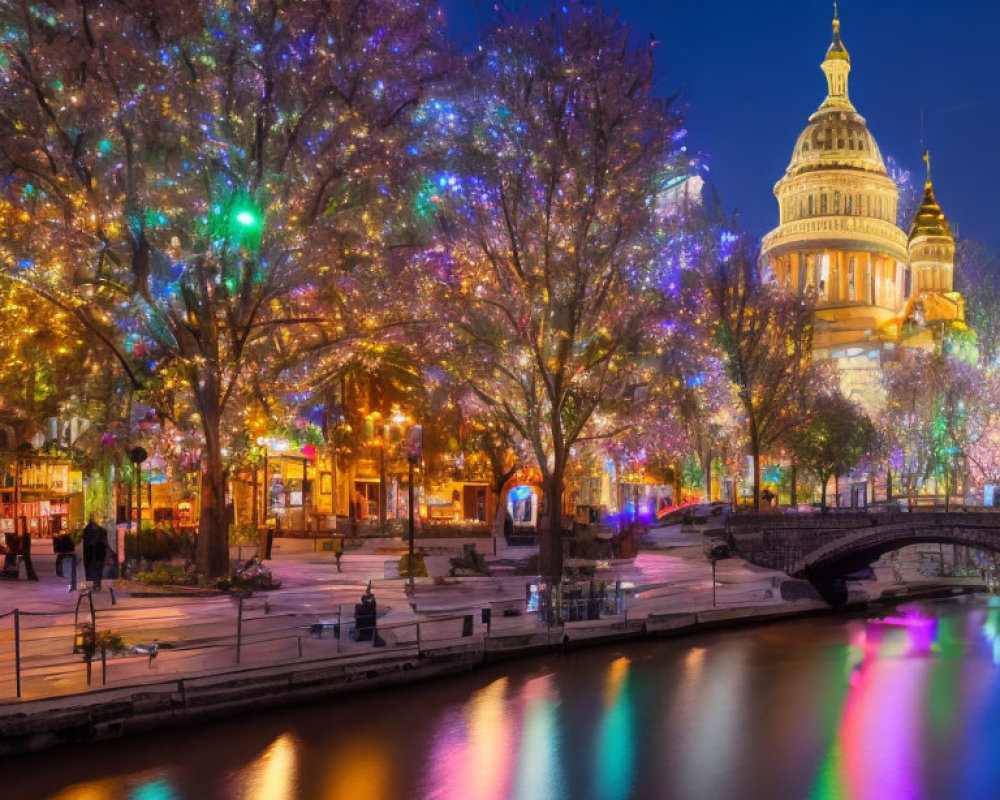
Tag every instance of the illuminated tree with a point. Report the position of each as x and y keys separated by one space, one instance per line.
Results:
x=487 y=436
x=932 y=405
x=977 y=277
x=40 y=352
x=708 y=411
x=194 y=181
x=765 y=338
x=983 y=446
x=835 y=438
x=547 y=270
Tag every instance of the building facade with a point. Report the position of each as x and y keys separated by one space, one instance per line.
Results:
x=874 y=286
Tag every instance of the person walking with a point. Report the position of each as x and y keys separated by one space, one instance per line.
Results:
x=9 y=547
x=29 y=569
x=95 y=551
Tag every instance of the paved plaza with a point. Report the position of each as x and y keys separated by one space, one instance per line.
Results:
x=197 y=635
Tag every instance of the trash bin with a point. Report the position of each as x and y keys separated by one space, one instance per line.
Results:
x=364 y=619
x=63 y=547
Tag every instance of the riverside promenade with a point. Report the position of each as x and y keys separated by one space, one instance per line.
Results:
x=217 y=654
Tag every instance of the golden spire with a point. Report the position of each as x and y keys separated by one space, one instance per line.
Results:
x=837 y=49
x=929 y=219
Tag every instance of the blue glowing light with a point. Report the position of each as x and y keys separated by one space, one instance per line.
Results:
x=519 y=493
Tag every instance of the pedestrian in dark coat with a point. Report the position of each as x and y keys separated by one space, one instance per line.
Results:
x=95 y=552
x=29 y=568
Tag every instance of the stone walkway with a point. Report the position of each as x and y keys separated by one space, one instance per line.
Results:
x=197 y=635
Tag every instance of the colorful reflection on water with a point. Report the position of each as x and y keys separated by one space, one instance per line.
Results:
x=907 y=706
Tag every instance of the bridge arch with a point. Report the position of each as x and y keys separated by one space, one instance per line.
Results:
x=826 y=566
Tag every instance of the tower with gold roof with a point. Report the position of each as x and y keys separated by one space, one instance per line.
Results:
x=932 y=259
x=838 y=243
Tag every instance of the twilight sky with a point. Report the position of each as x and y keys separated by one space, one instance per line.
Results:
x=748 y=77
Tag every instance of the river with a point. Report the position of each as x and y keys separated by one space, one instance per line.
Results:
x=812 y=709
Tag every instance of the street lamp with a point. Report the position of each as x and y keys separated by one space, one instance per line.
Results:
x=137 y=455
x=415 y=446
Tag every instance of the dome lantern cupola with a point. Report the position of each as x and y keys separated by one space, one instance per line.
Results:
x=837 y=66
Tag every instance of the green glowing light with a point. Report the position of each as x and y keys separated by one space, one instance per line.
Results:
x=246 y=218
x=157 y=790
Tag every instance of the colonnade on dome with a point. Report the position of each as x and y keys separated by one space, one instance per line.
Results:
x=844 y=276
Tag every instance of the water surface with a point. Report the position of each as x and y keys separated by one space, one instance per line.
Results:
x=812 y=709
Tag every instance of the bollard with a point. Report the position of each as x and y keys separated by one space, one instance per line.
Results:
x=340 y=626
x=17 y=651
x=299 y=639
x=72 y=572
x=104 y=666
x=239 y=629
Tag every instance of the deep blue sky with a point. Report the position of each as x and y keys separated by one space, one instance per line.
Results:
x=748 y=76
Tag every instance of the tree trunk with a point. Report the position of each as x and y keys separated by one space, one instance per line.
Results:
x=755 y=454
x=888 y=484
x=500 y=514
x=836 y=491
x=213 y=528
x=500 y=498
x=550 y=533
x=822 y=493
x=706 y=476
x=129 y=509
x=794 y=498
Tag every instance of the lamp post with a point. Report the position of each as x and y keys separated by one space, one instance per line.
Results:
x=17 y=495
x=255 y=499
x=411 y=460
x=137 y=455
x=262 y=442
x=414 y=451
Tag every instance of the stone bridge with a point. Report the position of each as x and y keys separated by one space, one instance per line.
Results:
x=824 y=548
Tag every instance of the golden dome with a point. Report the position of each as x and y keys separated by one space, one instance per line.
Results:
x=929 y=219
x=836 y=138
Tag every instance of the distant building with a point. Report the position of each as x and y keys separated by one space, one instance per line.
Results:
x=40 y=491
x=875 y=287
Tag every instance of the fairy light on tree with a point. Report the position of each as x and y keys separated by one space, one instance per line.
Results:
x=546 y=198
x=191 y=181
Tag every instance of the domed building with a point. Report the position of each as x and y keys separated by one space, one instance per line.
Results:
x=837 y=241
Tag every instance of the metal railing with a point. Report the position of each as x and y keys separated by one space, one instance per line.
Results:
x=207 y=636
x=216 y=635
